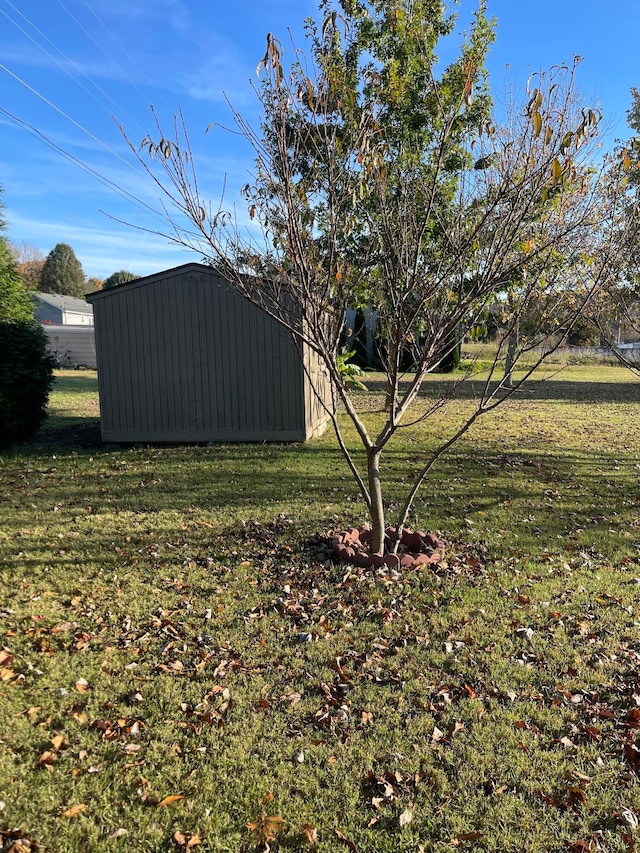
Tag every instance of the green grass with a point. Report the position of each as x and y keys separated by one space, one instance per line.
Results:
x=169 y=629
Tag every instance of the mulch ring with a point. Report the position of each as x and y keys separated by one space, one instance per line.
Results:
x=414 y=549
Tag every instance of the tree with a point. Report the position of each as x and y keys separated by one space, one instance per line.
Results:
x=93 y=284
x=62 y=273
x=616 y=316
x=15 y=302
x=384 y=179
x=119 y=277
x=29 y=262
x=26 y=370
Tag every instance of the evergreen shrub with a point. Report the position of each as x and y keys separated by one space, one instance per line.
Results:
x=26 y=377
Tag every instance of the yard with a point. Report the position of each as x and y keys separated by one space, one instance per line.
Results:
x=181 y=667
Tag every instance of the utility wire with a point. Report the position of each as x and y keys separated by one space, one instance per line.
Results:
x=69 y=118
x=101 y=48
x=82 y=165
x=69 y=60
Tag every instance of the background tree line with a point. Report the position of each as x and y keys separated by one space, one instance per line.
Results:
x=60 y=271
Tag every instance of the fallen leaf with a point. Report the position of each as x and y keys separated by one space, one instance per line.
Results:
x=57 y=742
x=267 y=827
x=82 y=685
x=310 y=832
x=6 y=657
x=74 y=810
x=437 y=735
x=172 y=798
x=186 y=841
x=406 y=817
x=346 y=841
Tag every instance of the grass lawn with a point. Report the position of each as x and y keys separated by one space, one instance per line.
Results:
x=181 y=668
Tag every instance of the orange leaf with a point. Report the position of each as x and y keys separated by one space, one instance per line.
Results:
x=74 y=810
x=57 y=742
x=173 y=798
x=267 y=827
x=6 y=657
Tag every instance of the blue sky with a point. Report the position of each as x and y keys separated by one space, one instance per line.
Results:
x=70 y=66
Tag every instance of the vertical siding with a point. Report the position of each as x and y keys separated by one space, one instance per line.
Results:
x=72 y=346
x=184 y=357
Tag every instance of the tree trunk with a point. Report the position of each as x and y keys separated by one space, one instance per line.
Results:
x=512 y=347
x=377 y=507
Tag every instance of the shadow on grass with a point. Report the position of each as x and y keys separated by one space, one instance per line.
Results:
x=545 y=389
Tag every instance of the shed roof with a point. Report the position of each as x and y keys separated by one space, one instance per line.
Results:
x=64 y=303
x=192 y=266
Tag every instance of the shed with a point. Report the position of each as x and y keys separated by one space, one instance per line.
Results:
x=62 y=310
x=183 y=357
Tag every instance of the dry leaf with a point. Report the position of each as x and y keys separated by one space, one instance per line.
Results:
x=437 y=735
x=172 y=798
x=406 y=817
x=6 y=657
x=346 y=841
x=310 y=832
x=57 y=742
x=74 y=810
x=82 y=685
x=186 y=841
x=267 y=827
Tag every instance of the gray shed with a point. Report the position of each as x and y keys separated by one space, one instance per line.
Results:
x=183 y=357
x=62 y=310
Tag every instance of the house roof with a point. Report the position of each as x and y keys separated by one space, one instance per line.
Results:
x=192 y=266
x=64 y=303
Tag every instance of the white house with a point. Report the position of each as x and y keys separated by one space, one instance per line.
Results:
x=51 y=308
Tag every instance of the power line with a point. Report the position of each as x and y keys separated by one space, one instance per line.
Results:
x=115 y=40
x=81 y=164
x=69 y=118
x=69 y=60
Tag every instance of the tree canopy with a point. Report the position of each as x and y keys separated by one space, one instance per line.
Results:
x=62 y=273
x=119 y=277
x=15 y=302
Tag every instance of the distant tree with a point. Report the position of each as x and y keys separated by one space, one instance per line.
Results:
x=29 y=262
x=62 y=273
x=24 y=252
x=119 y=277
x=92 y=284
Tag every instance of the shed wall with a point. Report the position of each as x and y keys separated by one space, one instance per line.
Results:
x=185 y=358
x=71 y=346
